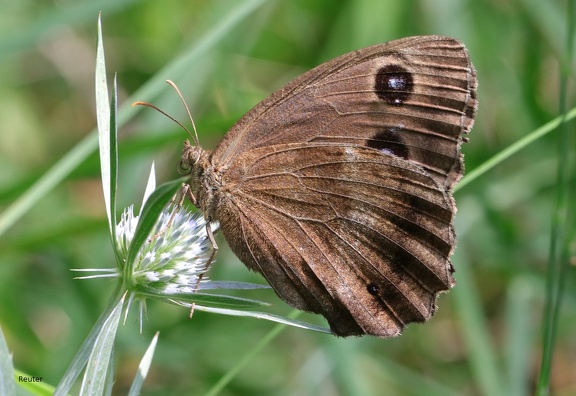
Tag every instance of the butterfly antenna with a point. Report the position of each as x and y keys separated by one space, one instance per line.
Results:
x=195 y=136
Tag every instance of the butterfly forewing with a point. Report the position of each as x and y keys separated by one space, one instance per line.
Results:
x=414 y=98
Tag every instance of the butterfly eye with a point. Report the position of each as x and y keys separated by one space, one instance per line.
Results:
x=184 y=168
x=393 y=84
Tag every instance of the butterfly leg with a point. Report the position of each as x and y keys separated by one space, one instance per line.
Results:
x=184 y=192
x=209 y=262
x=212 y=242
x=212 y=255
x=187 y=192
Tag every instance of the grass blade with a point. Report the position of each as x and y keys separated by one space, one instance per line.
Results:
x=514 y=148
x=562 y=218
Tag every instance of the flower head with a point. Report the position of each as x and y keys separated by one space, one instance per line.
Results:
x=174 y=258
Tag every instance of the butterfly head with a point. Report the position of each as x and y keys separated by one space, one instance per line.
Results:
x=195 y=162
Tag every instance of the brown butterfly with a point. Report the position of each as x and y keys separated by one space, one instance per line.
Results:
x=337 y=188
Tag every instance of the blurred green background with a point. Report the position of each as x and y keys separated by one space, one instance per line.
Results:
x=486 y=335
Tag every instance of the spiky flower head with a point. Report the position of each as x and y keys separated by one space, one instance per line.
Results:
x=174 y=259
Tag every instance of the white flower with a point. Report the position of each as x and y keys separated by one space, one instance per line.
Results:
x=174 y=258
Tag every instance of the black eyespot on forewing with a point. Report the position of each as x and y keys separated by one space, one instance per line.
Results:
x=389 y=141
x=393 y=84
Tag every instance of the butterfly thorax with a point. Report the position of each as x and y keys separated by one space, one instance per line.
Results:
x=204 y=181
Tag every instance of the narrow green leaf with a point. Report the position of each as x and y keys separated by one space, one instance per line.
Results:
x=232 y=285
x=110 y=377
x=263 y=315
x=113 y=158
x=81 y=358
x=103 y=121
x=143 y=367
x=150 y=187
x=94 y=381
x=213 y=300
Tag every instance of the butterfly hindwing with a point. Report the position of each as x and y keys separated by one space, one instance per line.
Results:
x=357 y=236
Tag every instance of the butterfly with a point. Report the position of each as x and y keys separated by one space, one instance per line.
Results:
x=338 y=187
